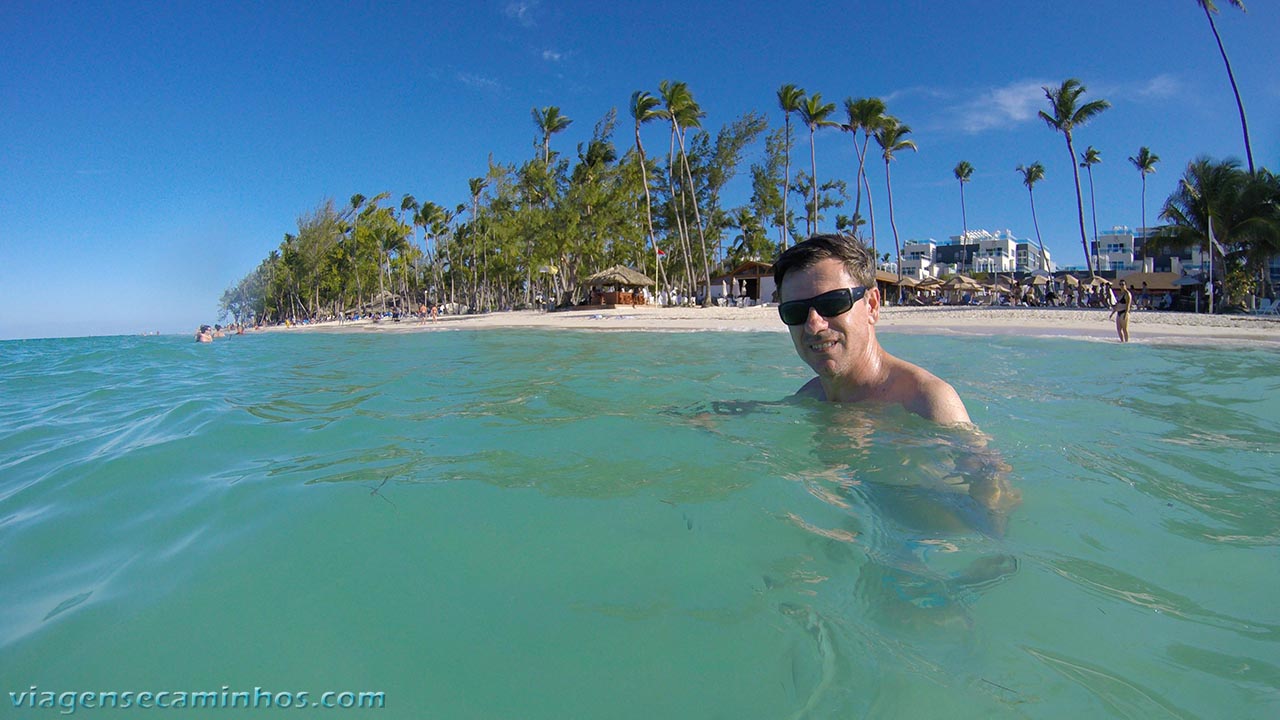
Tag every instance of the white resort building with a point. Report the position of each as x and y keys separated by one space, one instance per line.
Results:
x=1121 y=250
x=975 y=251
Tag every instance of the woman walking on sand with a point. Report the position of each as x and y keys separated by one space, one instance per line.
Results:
x=1124 y=304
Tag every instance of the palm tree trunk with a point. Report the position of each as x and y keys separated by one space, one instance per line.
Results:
x=1244 y=125
x=1075 y=173
x=871 y=208
x=648 y=207
x=786 y=187
x=857 y=178
x=1044 y=260
x=697 y=218
x=893 y=224
x=964 y=225
x=680 y=227
x=1143 y=197
x=1093 y=204
x=382 y=291
x=813 y=167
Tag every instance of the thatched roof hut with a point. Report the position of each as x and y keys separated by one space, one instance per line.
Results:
x=620 y=276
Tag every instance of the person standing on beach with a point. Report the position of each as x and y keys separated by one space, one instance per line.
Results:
x=1124 y=304
x=831 y=305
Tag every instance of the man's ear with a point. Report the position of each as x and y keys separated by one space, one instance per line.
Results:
x=873 y=304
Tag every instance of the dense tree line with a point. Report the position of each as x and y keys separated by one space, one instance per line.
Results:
x=531 y=232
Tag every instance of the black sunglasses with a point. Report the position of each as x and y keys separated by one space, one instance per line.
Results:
x=828 y=304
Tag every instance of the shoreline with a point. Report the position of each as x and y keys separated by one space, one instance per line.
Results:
x=1147 y=326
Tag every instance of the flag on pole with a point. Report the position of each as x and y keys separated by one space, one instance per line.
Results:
x=1214 y=240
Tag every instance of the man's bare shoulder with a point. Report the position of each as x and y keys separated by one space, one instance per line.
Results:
x=928 y=395
x=812 y=389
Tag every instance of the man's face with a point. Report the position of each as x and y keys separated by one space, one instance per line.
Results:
x=837 y=345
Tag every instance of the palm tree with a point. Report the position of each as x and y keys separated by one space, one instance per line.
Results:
x=1241 y=209
x=1209 y=11
x=814 y=114
x=408 y=204
x=357 y=201
x=1032 y=174
x=429 y=216
x=891 y=136
x=477 y=186
x=684 y=112
x=868 y=114
x=790 y=98
x=1145 y=161
x=645 y=108
x=1090 y=158
x=963 y=172
x=668 y=91
x=1067 y=115
x=549 y=122
x=380 y=243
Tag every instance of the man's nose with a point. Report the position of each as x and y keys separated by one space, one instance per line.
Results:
x=815 y=322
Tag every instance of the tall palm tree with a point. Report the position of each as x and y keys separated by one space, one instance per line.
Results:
x=963 y=172
x=1240 y=207
x=1032 y=174
x=408 y=205
x=381 y=242
x=814 y=114
x=1090 y=158
x=891 y=136
x=790 y=98
x=429 y=217
x=357 y=201
x=645 y=108
x=477 y=186
x=867 y=114
x=684 y=112
x=1068 y=114
x=669 y=92
x=1210 y=9
x=549 y=122
x=1145 y=161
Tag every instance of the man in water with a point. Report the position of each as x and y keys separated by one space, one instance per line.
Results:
x=831 y=305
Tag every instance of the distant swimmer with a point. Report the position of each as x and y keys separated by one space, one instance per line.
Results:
x=831 y=305
x=204 y=334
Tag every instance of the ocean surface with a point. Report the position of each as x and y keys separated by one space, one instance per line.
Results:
x=569 y=524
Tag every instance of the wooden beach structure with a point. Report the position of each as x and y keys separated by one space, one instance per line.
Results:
x=617 y=285
x=750 y=279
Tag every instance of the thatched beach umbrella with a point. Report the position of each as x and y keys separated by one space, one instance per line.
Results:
x=962 y=282
x=622 y=276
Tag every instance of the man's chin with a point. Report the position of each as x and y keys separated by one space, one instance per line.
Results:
x=825 y=367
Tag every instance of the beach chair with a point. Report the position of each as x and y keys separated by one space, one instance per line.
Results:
x=1266 y=307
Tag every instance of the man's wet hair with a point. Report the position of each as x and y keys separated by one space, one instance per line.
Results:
x=858 y=259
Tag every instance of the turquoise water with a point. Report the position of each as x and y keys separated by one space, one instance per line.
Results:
x=542 y=524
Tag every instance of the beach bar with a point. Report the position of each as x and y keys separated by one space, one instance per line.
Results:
x=618 y=285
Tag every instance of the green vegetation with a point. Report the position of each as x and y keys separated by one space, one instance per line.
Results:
x=530 y=233
x=1244 y=209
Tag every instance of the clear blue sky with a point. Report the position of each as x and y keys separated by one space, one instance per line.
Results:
x=151 y=154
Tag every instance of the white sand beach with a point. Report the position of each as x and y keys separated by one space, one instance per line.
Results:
x=1145 y=326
